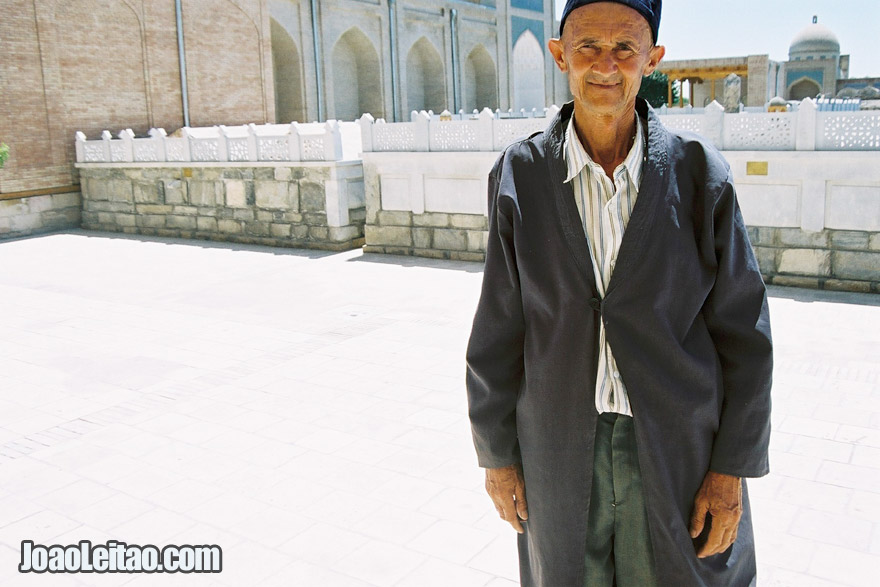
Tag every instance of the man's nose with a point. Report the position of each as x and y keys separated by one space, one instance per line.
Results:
x=605 y=64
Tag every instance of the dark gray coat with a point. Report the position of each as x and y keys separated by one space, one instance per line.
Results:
x=686 y=316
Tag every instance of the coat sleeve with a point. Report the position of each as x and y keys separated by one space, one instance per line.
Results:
x=738 y=319
x=495 y=350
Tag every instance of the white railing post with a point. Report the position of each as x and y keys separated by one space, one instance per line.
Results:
x=127 y=138
x=252 y=142
x=422 y=131
x=332 y=141
x=106 y=137
x=487 y=130
x=222 y=144
x=805 y=139
x=187 y=145
x=80 y=146
x=294 y=142
x=713 y=125
x=366 y=123
x=158 y=137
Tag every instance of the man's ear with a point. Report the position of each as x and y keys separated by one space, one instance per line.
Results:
x=557 y=49
x=657 y=53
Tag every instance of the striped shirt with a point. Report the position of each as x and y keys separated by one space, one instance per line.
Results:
x=605 y=208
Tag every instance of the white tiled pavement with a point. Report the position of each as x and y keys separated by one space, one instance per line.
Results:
x=306 y=412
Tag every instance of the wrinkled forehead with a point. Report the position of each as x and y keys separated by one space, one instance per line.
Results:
x=605 y=20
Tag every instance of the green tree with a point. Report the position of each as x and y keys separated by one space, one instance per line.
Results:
x=4 y=154
x=655 y=89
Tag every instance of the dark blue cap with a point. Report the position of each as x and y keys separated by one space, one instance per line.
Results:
x=650 y=9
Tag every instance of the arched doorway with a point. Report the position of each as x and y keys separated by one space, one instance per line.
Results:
x=286 y=69
x=528 y=73
x=480 y=85
x=425 y=78
x=357 y=77
x=804 y=88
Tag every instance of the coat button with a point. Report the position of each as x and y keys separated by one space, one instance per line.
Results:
x=596 y=304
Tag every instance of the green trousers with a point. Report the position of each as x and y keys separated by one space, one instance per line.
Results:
x=618 y=543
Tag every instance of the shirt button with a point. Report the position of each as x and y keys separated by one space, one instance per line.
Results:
x=617 y=375
x=613 y=263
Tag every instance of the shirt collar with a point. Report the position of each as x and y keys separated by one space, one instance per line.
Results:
x=576 y=157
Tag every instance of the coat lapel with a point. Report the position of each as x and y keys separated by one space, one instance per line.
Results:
x=569 y=218
x=655 y=178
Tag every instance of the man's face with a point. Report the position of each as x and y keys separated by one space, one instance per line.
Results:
x=606 y=48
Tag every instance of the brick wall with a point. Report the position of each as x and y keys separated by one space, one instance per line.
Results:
x=92 y=65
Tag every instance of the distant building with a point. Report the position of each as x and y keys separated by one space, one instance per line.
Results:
x=814 y=67
x=91 y=65
x=390 y=57
x=814 y=64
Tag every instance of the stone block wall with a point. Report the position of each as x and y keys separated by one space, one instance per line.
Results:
x=461 y=237
x=36 y=214
x=813 y=217
x=306 y=205
x=427 y=204
x=845 y=260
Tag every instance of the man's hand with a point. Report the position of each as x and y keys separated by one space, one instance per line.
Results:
x=507 y=489
x=720 y=496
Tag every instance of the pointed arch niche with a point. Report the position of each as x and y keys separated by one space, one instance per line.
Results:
x=287 y=72
x=804 y=88
x=480 y=81
x=425 y=78
x=357 y=77
x=528 y=73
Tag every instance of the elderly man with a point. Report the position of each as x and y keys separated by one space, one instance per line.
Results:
x=620 y=362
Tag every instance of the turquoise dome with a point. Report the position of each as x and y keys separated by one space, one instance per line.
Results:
x=815 y=39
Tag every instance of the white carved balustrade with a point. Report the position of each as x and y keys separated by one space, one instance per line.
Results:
x=318 y=142
x=378 y=135
x=760 y=132
x=177 y=147
x=456 y=135
x=272 y=142
x=809 y=128
x=206 y=144
x=847 y=131
x=483 y=131
x=240 y=143
x=507 y=130
x=237 y=144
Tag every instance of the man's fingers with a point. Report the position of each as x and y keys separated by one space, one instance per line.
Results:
x=507 y=510
x=713 y=541
x=712 y=547
x=511 y=517
x=506 y=488
x=698 y=519
x=721 y=536
x=721 y=496
x=522 y=507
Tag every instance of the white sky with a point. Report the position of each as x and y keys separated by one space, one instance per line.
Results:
x=691 y=29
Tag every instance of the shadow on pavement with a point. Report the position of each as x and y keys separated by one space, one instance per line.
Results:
x=192 y=242
x=814 y=295
x=408 y=261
